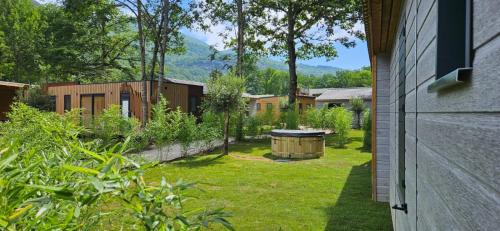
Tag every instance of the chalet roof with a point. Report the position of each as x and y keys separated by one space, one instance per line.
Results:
x=381 y=18
x=345 y=94
x=13 y=84
x=318 y=91
x=183 y=81
x=247 y=95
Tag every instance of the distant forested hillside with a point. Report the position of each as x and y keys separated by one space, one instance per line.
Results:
x=195 y=63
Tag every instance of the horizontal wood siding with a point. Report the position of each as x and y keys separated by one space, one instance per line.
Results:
x=452 y=151
x=382 y=129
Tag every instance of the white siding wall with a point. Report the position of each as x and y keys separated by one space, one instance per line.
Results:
x=452 y=143
x=382 y=126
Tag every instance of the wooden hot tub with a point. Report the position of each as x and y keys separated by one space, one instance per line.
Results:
x=298 y=144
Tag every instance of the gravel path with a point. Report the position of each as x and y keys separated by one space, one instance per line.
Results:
x=175 y=151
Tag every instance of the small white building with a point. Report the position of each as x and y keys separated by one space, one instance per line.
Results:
x=333 y=97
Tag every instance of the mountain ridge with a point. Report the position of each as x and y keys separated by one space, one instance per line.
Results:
x=195 y=64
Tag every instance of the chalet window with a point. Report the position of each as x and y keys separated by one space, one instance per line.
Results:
x=193 y=104
x=269 y=106
x=125 y=104
x=258 y=106
x=332 y=105
x=51 y=105
x=67 y=102
x=453 y=58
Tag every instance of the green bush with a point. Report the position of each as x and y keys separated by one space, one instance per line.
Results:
x=210 y=129
x=157 y=129
x=292 y=117
x=317 y=118
x=37 y=98
x=267 y=117
x=188 y=132
x=367 y=128
x=252 y=124
x=51 y=180
x=341 y=123
x=111 y=127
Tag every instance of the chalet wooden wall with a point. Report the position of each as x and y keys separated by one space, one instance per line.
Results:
x=275 y=101
x=7 y=95
x=176 y=94
x=111 y=93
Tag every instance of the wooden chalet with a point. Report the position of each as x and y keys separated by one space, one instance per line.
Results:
x=94 y=98
x=8 y=91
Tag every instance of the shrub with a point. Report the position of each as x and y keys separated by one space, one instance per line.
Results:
x=292 y=117
x=188 y=131
x=317 y=118
x=156 y=129
x=111 y=127
x=51 y=180
x=267 y=117
x=210 y=129
x=37 y=98
x=357 y=106
x=341 y=120
x=367 y=127
x=253 y=124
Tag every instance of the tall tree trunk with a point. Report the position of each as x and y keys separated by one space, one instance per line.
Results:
x=292 y=57
x=239 y=61
x=144 y=90
x=164 y=42
x=156 y=48
x=225 y=149
x=241 y=30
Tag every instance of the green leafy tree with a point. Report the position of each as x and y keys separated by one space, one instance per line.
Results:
x=367 y=127
x=187 y=132
x=224 y=96
x=341 y=123
x=305 y=29
x=111 y=127
x=53 y=180
x=210 y=129
x=87 y=41
x=357 y=106
x=20 y=35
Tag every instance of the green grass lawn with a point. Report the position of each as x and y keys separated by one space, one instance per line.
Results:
x=329 y=193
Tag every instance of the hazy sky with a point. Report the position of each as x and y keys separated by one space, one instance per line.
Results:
x=348 y=58
x=352 y=58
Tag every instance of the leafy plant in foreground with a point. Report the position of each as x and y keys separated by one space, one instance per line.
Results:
x=50 y=180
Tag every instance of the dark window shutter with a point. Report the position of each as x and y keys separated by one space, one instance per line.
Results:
x=401 y=114
x=67 y=102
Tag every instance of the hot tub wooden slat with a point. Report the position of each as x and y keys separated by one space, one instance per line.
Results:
x=298 y=147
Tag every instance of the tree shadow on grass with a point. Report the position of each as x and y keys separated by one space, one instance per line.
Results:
x=270 y=156
x=355 y=209
x=282 y=159
x=332 y=141
x=249 y=148
x=363 y=149
x=195 y=162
